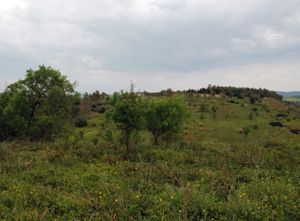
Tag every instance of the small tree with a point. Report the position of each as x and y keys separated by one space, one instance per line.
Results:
x=246 y=131
x=214 y=110
x=127 y=113
x=165 y=116
x=2 y=126
x=254 y=98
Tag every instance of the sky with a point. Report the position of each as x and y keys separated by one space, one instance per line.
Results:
x=157 y=44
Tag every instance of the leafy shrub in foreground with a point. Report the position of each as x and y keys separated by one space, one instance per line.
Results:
x=44 y=97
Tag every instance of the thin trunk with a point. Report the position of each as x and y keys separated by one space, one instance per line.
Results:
x=34 y=109
x=128 y=144
x=156 y=139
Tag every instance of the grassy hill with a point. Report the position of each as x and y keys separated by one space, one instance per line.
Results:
x=228 y=164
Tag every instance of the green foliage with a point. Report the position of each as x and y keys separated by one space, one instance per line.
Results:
x=83 y=181
x=2 y=126
x=251 y=116
x=95 y=141
x=4 y=151
x=165 y=117
x=246 y=131
x=46 y=128
x=203 y=108
x=80 y=121
x=213 y=173
x=254 y=98
x=128 y=114
x=42 y=100
x=101 y=109
x=108 y=131
x=214 y=111
x=240 y=93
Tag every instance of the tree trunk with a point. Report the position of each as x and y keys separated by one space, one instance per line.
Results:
x=128 y=144
x=156 y=139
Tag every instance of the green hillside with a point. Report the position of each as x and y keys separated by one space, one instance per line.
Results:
x=229 y=163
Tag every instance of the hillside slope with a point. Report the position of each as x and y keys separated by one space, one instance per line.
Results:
x=229 y=164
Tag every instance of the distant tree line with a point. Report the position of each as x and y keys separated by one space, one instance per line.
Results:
x=239 y=92
x=253 y=94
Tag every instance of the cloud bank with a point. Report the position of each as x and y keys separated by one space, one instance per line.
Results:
x=156 y=43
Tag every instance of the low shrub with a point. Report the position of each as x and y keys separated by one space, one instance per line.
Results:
x=276 y=124
x=80 y=122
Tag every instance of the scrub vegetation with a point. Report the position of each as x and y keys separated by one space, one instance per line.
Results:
x=218 y=153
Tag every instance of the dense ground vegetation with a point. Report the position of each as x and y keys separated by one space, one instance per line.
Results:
x=225 y=162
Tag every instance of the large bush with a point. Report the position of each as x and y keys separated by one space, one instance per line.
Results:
x=36 y=106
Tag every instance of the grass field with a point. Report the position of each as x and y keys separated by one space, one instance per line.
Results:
x=228 y=164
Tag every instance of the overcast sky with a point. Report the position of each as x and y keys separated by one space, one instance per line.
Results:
x=158 y=44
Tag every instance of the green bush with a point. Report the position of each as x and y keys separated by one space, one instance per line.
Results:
x=46 y=128
x=128 y=115
x=165 y=117
x=80 y=122
x=35 y=103
x=101 y=109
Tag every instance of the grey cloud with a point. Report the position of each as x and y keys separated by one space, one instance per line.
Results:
x=112 y=40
